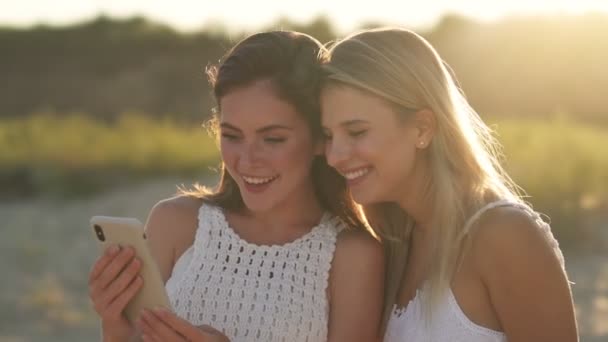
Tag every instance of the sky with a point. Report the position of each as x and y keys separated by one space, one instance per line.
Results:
x=238 y=15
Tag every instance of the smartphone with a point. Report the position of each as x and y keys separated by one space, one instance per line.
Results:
x=126 y=231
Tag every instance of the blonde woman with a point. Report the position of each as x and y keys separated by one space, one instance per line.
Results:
x=467 y=259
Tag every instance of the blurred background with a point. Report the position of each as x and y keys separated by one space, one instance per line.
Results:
x=101 y=106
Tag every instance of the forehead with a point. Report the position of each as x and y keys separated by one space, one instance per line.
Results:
x=341 y=103
x=257 y=104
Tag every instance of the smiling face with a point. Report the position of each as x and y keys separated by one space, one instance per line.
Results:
x=266 y=146
x=374 y=149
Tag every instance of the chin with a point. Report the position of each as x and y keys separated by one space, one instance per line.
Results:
x=372 y=193
x=264 y=203
x=364 y=198
x=258 y=205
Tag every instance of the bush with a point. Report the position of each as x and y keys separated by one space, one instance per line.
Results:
x=76 y=154
x=563 y=167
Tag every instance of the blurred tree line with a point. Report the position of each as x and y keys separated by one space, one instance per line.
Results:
x=515 y=67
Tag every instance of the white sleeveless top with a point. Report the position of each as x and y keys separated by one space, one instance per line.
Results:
x=449 y=322
x=255 y=292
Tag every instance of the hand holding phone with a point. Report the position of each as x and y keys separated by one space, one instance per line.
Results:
x=121 y=231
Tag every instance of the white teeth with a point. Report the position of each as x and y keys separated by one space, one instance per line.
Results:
x=356 y=174
x=256 y=180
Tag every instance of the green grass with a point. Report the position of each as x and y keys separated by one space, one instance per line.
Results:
x=563 y=167
x=558 y=157
x=76 y=154
x=561 y=164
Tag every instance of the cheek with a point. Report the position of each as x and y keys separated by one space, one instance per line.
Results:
x=296 y=155
x=405 y=160
x=390 y=155
x=230 y=156
x=228 y=153
x=372 y=149
x=401 y=165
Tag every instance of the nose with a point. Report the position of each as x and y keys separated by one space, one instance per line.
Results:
x=251 y=154
x=336 y=152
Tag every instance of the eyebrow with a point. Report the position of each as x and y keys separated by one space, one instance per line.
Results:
x=352 y=122
x=259 y=130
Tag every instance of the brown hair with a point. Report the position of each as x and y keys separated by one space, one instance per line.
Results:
x=291 y=62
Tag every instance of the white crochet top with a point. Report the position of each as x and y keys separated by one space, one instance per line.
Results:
x=448 y=323
x=255 y=292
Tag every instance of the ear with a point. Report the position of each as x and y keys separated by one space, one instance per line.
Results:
x=426 y=126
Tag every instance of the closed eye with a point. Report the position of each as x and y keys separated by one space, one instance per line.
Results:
x=274 y=140
x=230 y=137
x=357 y=134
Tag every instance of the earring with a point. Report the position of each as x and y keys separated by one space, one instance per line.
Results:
x=421 y=143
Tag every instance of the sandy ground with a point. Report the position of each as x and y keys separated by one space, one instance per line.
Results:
x=46 y=251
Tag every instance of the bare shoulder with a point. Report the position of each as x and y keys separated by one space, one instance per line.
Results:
x=354 y=244
x=170 y=228
x=516 y=258
x=513 y=250
x=358 y=255
x=178 y=205
x=176 y=210
x=510 y=233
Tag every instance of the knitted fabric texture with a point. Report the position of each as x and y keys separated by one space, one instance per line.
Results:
x=257 y=292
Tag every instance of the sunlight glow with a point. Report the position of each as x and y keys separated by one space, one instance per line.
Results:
x=346 y=15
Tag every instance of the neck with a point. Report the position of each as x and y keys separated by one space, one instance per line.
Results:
x=300 y=209
x=417 y=201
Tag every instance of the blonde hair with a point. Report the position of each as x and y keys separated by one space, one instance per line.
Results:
x=402 y=68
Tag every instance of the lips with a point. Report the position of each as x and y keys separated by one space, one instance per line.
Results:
x=354 y=174
x=257 y=184
x=258 y=180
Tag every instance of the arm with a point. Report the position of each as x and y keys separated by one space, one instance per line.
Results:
x=112 y=284
x=356 y=288
x=527 y=284
x=170 y=230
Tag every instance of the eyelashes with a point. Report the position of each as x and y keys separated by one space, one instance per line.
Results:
x=230 y=137
x=274 y=140
x=269 y=140
x=357 y=134
x=352 y=134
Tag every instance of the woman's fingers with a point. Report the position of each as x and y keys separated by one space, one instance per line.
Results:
x=148 y=332
x=151 y=338
x=155 y=327
x=120 y=283
x=217 y=335
x=102 y=262
x=180 y=325
x=118 y=304
x=98 y=269
x=114 y=273
x=111 y=287
x=163 y=325
x=113 y=269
